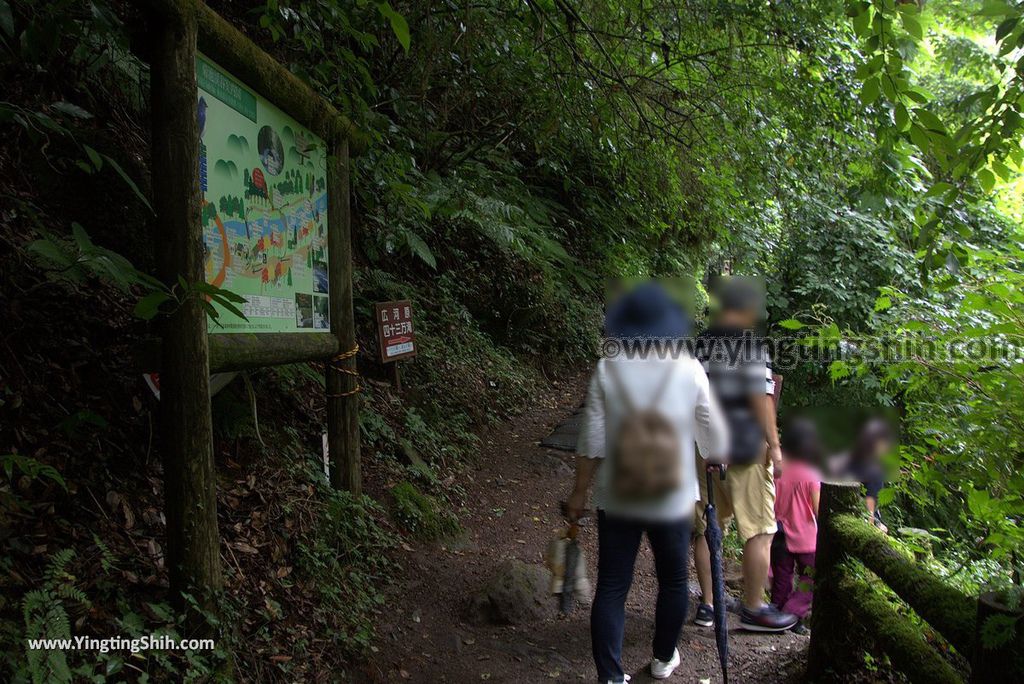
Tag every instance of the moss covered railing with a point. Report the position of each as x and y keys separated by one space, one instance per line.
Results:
x=852 y=616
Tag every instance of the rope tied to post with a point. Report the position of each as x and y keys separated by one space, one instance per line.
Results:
x=335 y=365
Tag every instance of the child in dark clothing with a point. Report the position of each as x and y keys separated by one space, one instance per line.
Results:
x=797 y=492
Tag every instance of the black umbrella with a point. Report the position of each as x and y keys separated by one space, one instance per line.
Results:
x=713 y=534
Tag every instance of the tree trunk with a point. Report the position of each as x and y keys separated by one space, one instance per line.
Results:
x=342 y=397
x=193 y=549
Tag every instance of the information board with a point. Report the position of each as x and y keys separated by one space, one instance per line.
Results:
x=264 y=184
x=395 y=333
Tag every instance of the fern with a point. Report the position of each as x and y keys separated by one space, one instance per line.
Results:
x=374 y=281
x=418 y=247
x=46 y=617
x=107 y=559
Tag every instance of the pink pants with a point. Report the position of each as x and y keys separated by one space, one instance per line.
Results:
x=786 y=597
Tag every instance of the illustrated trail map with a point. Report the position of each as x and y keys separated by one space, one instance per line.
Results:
x=264 y=185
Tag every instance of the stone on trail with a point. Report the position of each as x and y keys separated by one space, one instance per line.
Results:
x=515 y=594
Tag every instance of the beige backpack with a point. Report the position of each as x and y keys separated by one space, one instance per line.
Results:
x=645 y=454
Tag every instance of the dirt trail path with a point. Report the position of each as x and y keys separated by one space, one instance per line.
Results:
x=428 y=636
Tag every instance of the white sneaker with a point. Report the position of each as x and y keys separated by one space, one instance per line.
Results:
x=627 y=678
x=661 y=669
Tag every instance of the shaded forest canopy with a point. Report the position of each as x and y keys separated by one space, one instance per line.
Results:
x=862 y=156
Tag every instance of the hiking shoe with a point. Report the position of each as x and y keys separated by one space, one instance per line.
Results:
x=662 y=669
x=627 y=678
x=705 y=616
x=766 y=619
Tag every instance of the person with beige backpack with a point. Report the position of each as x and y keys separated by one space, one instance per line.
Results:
x=643 y=416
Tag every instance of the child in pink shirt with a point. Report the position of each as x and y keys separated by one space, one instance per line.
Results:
x=796 y=509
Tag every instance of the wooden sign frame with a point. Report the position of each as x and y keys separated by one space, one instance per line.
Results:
x=176 y=31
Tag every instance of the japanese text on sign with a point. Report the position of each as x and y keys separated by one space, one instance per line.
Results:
x=395 y=330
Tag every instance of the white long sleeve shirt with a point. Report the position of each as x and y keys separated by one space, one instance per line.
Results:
x=686 y=401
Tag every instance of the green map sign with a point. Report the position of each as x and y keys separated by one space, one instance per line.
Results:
x=264 y=185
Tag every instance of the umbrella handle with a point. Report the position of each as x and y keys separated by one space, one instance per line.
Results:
x=721 y=473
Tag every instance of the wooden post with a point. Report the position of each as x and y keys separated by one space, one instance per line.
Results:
x=1004 y=663
x=832 y=632
x=186 y=432
x=342 y=395
x=396 y=377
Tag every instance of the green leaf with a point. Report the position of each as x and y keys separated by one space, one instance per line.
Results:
x=6 y=19
x=131 y=184
x=902 y=117
x=81 y=237
x=987 y=180
x=883 y=302
x=913 y=27
x=1006 y=27
x=885 y=496
x=71 y=110
x=996 y=8
x=1004 y=172
x=149 y=306
x=398 y=24
x=919 y=137
x=979 y=503
x=94 y=157
x=869 y=93
x=838 y=370
x=938 y=189
x=791 y=324
x=929 y=120
x=230 y=307
x=418 y=247
x=52 y=252
x=862 y=23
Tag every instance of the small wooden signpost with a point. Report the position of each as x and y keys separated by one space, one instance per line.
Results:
x=395 y=335
x=272 y=240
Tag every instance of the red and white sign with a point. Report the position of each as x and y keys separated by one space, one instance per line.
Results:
x=395 y=333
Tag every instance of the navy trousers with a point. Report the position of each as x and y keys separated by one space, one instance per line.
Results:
x=618 y=544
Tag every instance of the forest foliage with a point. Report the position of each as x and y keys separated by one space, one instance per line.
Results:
x=863 y=156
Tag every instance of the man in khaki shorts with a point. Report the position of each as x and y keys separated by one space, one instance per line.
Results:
x=739 y=371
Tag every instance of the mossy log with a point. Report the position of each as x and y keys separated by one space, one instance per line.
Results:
x=918 y=660
x=946 y=609
x=245 y=60
x=242 y=351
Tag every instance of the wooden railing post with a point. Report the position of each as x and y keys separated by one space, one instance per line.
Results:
x=1004 y=663
x=831 y=626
